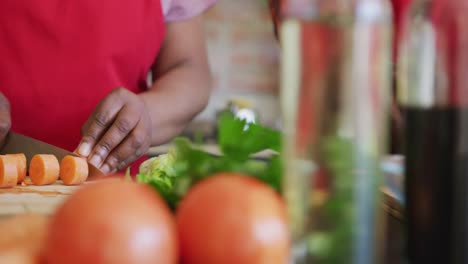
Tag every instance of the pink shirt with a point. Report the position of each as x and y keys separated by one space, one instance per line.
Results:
x=176 y=10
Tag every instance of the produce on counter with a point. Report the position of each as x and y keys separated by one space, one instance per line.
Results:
x=112 y=221
x=228 y=207
x=232 y=218
x=225 y=218
x=225 y=209
x=44 y=169
x=8 y=172
x=73 y=170
x=173 y=174
x=21 y=165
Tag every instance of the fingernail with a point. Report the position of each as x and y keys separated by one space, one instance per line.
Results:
x=95 y=160
x=84 y=149
x=105 y=168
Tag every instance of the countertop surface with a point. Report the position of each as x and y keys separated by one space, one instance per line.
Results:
x=210 y=148
x=33 y=199
x=44 y=199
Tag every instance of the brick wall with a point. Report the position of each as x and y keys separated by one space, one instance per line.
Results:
x=243 y=55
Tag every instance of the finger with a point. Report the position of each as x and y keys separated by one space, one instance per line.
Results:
x=5 y=118
x=138 y=154
x=134 y=146
x=122 y=127
x=99 y=121
x=127 y=162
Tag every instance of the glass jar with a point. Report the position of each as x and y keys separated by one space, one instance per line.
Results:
x=335 y=95
x=433 y=91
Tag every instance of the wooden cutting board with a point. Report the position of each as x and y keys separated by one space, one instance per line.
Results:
x=33 y=199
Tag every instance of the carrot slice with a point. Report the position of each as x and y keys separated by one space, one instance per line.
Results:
x=73 y=170
x=8 y=172
x=44 y=169
x=20 y=164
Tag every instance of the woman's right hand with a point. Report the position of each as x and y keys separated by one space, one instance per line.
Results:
x=5 y=118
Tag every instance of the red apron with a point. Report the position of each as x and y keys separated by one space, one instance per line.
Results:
x=59 y=58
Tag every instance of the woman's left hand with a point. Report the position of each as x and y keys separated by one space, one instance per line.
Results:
x=117 y=133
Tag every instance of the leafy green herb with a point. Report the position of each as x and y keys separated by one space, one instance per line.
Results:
x=172 y=174
x=238 y=140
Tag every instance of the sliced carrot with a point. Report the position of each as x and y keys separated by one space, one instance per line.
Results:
x=44 y=169
x=21 y=165
x=8 y=172
x=73 y=170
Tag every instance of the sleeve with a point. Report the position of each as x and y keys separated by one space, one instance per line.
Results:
x=184 y=9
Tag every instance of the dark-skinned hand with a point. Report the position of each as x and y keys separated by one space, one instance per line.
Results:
x=5 y=118
x=117 y=133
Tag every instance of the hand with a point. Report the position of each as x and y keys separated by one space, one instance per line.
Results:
x=5 y=118
x=117 y=133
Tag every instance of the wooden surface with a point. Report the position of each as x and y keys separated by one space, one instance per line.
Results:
x=33 y=199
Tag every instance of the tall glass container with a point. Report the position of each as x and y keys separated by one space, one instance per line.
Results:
x=433 y=90
x=335 y=92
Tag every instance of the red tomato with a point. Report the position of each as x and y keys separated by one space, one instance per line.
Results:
x=112 y=221
x=231 y=218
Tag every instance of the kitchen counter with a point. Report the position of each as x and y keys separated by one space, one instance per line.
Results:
x=45 y=199
x=210 y=148
x=33 y=199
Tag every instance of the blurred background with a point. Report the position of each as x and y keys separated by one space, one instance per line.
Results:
x=244 y=58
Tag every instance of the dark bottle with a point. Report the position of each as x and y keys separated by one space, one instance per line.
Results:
x=433 y=90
